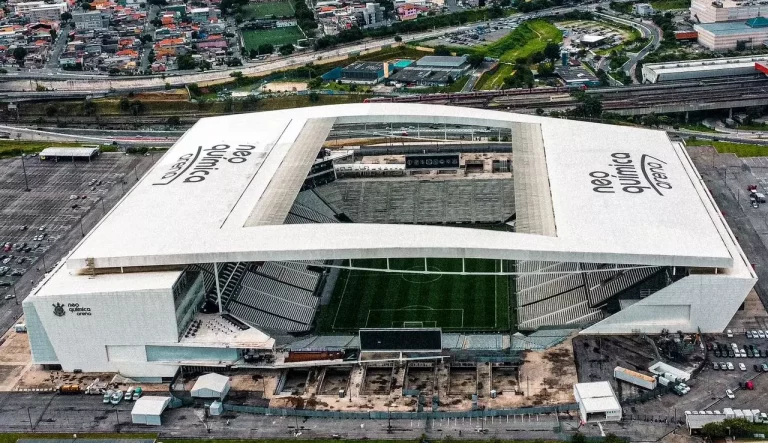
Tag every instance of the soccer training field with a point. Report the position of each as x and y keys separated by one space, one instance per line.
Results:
x=276 y=37
x=368 y=299
x=261 y=10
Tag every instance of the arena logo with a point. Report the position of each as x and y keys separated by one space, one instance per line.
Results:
x=196 y=166
x=75 y=308
x=631 y=177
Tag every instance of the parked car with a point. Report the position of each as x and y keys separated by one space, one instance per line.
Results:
x=117 y=397
x=742 y=367
x=107 y=396
x=729 y=393
x=730 y=366
x=729 y=333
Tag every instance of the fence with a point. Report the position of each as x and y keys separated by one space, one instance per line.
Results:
x=383 y=415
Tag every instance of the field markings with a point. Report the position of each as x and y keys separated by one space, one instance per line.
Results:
x=341 y=301
x=413 y=308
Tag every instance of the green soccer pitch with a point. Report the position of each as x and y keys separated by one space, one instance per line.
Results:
x=374 y=299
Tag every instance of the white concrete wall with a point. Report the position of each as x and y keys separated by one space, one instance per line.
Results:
x=113 y=336
x=707 y=302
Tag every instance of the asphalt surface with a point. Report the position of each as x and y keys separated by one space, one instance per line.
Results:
x=47 y=412
x=727 y=178
x=48 y=203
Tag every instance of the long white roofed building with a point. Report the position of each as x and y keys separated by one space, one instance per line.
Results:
x=221 y=217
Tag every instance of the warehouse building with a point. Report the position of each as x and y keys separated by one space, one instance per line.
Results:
x=708 y=68
x=365 y=73
x=217 y=250
x=433 y=70
x=597 y=402
x=723 y=36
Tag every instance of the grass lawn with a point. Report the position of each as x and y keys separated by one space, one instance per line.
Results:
x=14 y=148
x=276 y=37
x=452 y=302
x=665 y=5
x=696 y=127
x=528 y=38
x=740 y=149
x=260 y=10
x=495 y=80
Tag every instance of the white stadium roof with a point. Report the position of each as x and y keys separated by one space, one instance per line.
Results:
x=222 y=191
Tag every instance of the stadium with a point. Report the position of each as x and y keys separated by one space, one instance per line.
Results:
x=320 y=228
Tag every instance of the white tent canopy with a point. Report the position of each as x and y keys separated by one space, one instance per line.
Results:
x=148 y=410
x=211 y=386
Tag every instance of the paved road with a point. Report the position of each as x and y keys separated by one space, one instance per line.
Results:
x=647 y=30
x=56 y=413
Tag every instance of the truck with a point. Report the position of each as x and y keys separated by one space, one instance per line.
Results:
x=21 y=327
x=738 y=413
x=748 y=415
x=69 y=389
x=749 y=385
x=635 y=378
x=729 y=413
x=664 y=382
x=671 y=377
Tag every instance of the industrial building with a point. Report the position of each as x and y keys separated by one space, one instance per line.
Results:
x=597 y=402
x=224 y=246
x=708 y=11
x=433 y=71
x=723 y=36
x=643 y=9
x=576 y=76
x=707 y=68
x=72 y=154
x=367 y=73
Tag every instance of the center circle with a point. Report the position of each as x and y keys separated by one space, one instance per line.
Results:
x=422 y=278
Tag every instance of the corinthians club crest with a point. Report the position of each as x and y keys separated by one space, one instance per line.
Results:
x=58 y=310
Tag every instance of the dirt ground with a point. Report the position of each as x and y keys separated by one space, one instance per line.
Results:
x=463 y=381
x=285 y=86
x=546 y=378
x=334 y=380
x=504 y=380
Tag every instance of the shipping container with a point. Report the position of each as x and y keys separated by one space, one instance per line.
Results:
x=729 y=413
x=635 y=378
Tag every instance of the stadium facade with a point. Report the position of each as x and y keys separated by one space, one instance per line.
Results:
x=221 y=248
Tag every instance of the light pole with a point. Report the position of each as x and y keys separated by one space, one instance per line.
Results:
x=24 y=168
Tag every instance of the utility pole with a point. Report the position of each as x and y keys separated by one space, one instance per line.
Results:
x=31 y=425
x=24 y=168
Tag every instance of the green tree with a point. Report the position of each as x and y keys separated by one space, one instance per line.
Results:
x=19 y=53
x=475 y=59
x=86 y=6
x=442 y=50
x=314 y=97
x=51 y=110
x=194 y=90
x=265 y=48
x=286 y=49
x=578 y=438
x=591 y=106
x=185 y=62
x=315 y=83
x=173 y=120
x=398 y=38
x=539 y=111
x=545 y=69
x=66 y=16
x=53 y=34
x=89 y=107
x=137 y=108
x=650 y=120
x=125 y=104
x=552 y=51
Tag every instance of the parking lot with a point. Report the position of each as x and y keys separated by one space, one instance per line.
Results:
x=65 y=200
